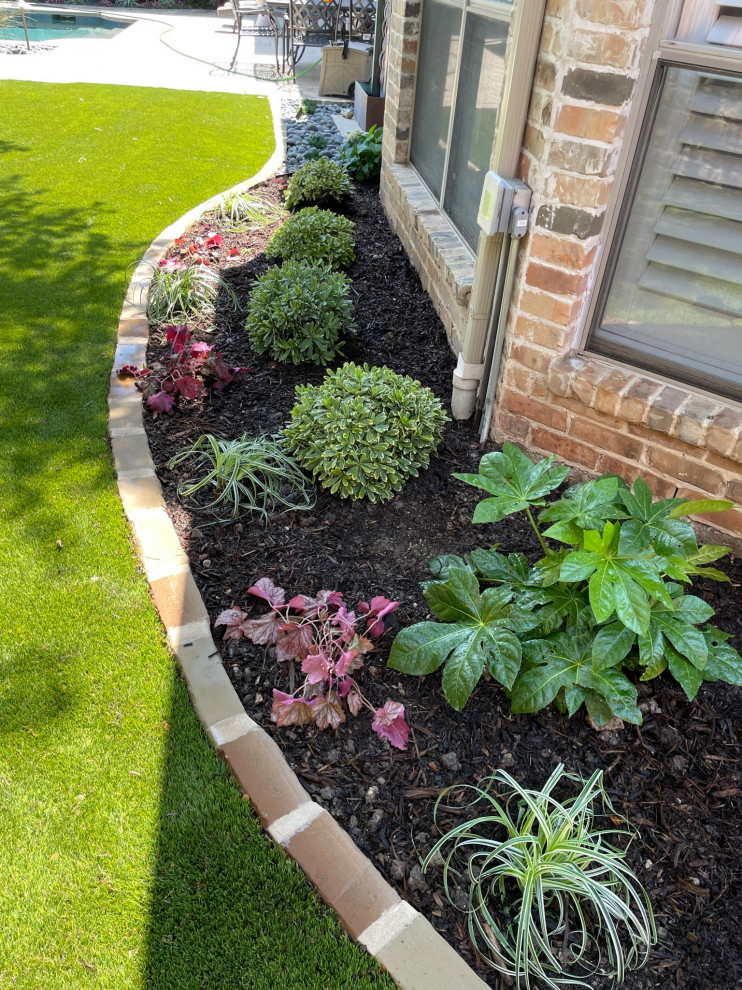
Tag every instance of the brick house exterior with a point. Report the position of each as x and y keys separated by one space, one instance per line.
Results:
x=596 y=414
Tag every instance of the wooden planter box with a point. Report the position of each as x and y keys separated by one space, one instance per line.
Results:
x=367 y=110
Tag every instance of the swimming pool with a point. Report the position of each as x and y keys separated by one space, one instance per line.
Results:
x=52 y=27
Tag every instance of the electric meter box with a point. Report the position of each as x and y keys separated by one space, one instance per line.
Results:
x=496 y=204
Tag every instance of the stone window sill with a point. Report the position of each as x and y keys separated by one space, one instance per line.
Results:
x=633 y=397
x=448 y=250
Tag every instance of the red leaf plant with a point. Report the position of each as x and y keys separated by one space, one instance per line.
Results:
x=184 y=372
x=324 y=636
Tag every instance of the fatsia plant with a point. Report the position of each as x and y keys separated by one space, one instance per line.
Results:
x=549 y=895
x=607 y=598
x=326 y=638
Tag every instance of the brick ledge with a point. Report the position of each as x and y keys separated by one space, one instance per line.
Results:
x=449 y=252
x=402 y=941
x=635 y=397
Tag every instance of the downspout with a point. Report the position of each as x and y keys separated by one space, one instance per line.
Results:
x=491 y=268
x=488 y=276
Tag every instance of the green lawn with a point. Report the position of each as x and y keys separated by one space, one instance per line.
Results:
x=127 y=857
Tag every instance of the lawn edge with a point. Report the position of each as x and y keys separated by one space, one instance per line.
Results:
x=402 y=941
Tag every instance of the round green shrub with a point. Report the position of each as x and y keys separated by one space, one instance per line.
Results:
x=314 y=235
x=299 y=312
x=317 y=181
x=364 y=431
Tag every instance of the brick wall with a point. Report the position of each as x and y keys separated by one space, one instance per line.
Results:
x=592 y=413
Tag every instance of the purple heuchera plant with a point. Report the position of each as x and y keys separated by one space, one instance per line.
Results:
x=324 y=636
x=184 y=371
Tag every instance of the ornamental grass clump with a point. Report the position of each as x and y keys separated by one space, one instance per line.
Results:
x=319 y=181
x=314 y=235
x=241 y=211
x=364 y=431
x=550 y=897
x=249 y=475
x=299 y=313
x=178 y=291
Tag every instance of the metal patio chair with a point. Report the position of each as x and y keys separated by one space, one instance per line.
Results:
x=247 y=10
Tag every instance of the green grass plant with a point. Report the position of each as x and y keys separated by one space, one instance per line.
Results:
x=244 y=211
x=550 y=897
x=249 y=475
x=177 y=293
x=128 y=858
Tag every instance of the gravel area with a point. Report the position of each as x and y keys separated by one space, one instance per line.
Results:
x=311 y=135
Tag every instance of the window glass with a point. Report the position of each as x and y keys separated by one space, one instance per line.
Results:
x=675 y=299
x=439 y=49
x=479 y=93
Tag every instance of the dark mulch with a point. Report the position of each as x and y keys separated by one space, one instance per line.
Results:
x=677 y=779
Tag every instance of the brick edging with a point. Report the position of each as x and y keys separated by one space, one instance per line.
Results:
x=403 y=942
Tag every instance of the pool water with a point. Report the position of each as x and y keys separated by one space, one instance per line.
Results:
x=52 y=27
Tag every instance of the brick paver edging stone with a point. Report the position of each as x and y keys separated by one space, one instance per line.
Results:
x=369 y=909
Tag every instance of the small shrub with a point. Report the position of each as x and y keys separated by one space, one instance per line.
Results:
x=549 y=897
x=314 y=235
x=249 y=475
x=563 y=629
x=364 y=431
x=241 y=211
x=318 y=182
x=299 y=312
x=361 y=154
x=185 y=372
x=308 y=106
x=178 y=291
x=325 y=637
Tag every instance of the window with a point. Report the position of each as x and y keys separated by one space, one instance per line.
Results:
x=672 y=296
x=461 y=73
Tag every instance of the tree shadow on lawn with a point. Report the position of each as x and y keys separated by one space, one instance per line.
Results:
x=61 y=290
x=227 y=908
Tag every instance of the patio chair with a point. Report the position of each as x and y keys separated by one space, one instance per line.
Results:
x=246 y=10
x=313 y=23
x=362 y=19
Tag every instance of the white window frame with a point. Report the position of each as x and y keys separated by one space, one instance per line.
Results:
x=664 y=47
x=525 y=18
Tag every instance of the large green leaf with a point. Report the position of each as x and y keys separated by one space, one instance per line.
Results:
x=689 y=677
x=514 y=481
x=612 y=644
x=455 y=599
x=675 y=625
x=699 y=507
x=586 y=506
x=564 y=604
x=651 y=524
x=564 y=661
x=424 y=647
x=652 y=652
x=724 y=663
x=621 y=579
x=477 y=630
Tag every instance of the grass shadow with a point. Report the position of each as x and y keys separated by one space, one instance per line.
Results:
x=228 y=909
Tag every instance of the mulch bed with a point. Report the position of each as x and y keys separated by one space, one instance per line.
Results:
x=677 y=778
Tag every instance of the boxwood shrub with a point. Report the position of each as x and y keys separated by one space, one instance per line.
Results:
x=300 y=312
x=314 y=235
x=364 y=431
x=318 y=181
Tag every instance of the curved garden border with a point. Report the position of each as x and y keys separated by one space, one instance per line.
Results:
x=403 y=942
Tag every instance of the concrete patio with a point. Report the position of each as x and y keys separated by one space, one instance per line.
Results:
x=171 y=49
